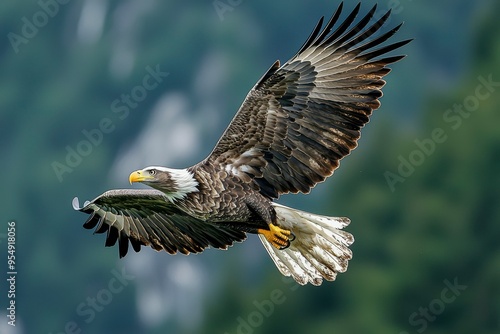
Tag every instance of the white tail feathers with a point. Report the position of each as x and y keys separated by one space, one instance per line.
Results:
x=320 y=249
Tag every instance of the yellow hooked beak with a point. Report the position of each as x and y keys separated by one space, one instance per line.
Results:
x=138 y=176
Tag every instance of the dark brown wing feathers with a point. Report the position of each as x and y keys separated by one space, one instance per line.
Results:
x=145 y=217
x=300 y=119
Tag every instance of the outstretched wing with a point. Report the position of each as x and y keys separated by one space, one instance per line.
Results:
x=301 y=118
x=145 y=217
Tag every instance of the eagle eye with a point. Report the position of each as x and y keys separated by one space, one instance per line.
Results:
x=152 y=172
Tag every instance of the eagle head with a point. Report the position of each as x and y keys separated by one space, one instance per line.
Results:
x=175 y=183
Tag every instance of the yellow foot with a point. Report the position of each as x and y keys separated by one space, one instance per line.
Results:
x=277 y=236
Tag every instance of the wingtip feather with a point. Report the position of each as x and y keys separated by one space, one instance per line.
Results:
x=76 y=204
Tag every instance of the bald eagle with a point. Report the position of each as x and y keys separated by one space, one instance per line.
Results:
x=293 y=128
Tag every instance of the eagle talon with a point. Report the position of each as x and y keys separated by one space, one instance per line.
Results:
x=285 y=247
x=278 y=237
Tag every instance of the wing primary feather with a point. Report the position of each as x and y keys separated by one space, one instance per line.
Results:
x=135 y=235
x=101 y=226
x=344 y=26
x=370 y=31
x=136 y=244
x=328 y=27
x=380 y=39
x=312 y=36
x=358 y=27
x=383 y=50
x=111 y=237
x=92 y=221
x=390 y=60
x=122 y=244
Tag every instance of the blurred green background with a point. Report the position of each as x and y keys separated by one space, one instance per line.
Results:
x=422 y=190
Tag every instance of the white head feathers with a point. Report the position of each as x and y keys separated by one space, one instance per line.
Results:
x=183 y=180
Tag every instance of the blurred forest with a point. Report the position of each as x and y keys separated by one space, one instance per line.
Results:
x=422 y=189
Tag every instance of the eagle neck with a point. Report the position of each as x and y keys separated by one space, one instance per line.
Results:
x=183 y=181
